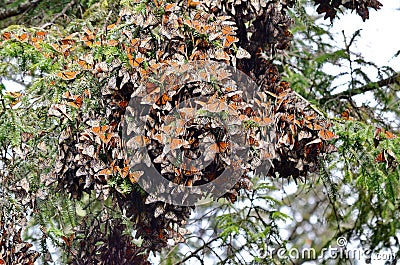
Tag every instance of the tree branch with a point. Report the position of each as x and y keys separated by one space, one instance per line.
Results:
x=394 y=79
x=194 y=254
x=12 y=12
x=62 y=13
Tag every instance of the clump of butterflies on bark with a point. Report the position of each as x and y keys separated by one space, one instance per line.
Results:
x=244 y=34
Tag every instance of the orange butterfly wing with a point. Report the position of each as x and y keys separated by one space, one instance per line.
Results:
x=163 y=99
x=6 y=35
x=380 y=157
x=327 y=135
x=23 y=37
x=390 y=135
x=106 y=172
x=229 y=39
x=68 y=75
x=77 y=103
x=134 y=176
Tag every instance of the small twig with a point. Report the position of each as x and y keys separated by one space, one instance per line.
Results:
x=62 y=13
x=194 y=254
x=106 y=21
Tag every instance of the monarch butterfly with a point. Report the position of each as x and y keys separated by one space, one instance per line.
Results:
x=15 y=95
x=65 y=49
x=380 y=157
x=178 y=128
x=40 y=35
x=123 y=172
x=253 y=141
x=262 y=121
x=220 y=54
x=88 y=38
x=390 y=135
x=222 y=74
x=310 y=117
x=26 y=136
x=264 y=154
x=387 y=156
x=85 y=65
x=23 y=37
x=231 y=196
x=327 y=135
x=111 y=26
x=67 y=95
x=163 y=99
x=330 y=149
x=170 y=7
x=58 y=110
x=387 y=134
x=155 y=66
x=68 y=240
x=106 y=172
x=377 y=135
x=123 y=104
x=6 y=35
x=87 y=93
x=303 y=134
x=77 y=103
x=200 y=27
x=89 y=34
x=193 y=4
x=187 y=113
x=135 y=62
x=137 y=142
x=103 y=133
x=313 y=126
x=216 y=105
x=242 y=53
x=220 y=147
x=150 y=20
x=228 y=30
x=346 y=115
x=159 y=211
x=176 y=143
x=68 y=75
x=56 y=47
x=313 y=149
x=112 y=43
x=135 y=42
x=189 y=170
x=89 y=151
x=68 y=41
x=100 y=129
x=229 y=39
x=236 y=98
x=248 y=111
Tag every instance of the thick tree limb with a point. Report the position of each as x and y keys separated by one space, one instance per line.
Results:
x=394 y=79
x=12 y=12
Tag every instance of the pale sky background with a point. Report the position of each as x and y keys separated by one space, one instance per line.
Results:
x=380 y=40
x=379 y=37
